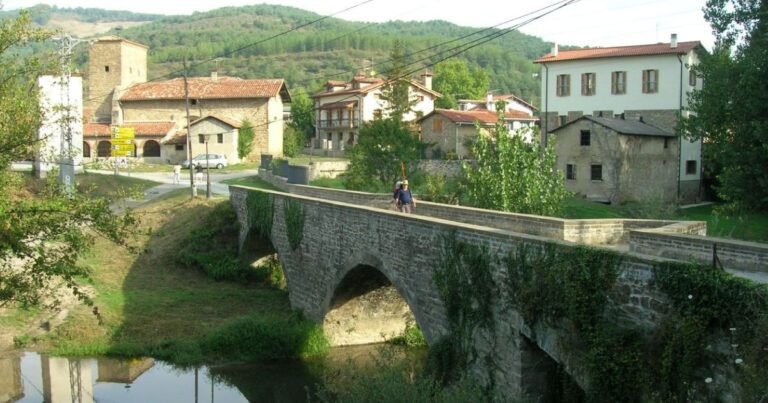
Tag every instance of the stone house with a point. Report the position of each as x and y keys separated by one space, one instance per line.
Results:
x=648 y=81
x=120 y=95
x=511 y=103
x=342 y=107
x=450 y=131
x=617 y=160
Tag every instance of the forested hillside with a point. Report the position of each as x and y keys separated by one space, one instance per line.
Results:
x=246 y=43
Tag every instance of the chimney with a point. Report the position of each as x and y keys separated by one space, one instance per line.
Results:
x=673 y=41
x=214 y=75
x=622 y=116
x=427 y=76
x=555 y=50
x=489 y=102
x=640 y=118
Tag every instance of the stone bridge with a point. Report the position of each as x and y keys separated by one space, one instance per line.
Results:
x=354 y=245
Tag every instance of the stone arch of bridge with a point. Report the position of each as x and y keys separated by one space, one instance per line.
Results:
x=366 y=303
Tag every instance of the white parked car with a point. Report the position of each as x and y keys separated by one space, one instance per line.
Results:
x=217 y=161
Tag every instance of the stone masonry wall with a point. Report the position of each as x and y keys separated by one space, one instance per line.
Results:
x=733 y=254
x=337 y=237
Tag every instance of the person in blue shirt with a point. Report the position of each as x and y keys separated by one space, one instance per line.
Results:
x=404 y=198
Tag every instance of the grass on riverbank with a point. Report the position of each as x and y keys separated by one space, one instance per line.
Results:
x=150 y=305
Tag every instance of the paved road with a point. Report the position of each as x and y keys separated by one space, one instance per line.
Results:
x=166 y=181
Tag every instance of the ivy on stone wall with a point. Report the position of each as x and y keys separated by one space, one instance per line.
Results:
x=572 y=286
x=294 y=222
x=466 y=286
x=260 y=212
x=716 y=335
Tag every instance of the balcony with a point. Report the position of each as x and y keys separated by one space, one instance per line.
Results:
x=338 y=124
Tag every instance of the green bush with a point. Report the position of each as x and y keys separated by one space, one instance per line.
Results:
x=258 y=338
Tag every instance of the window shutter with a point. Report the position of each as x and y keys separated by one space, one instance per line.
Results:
x=583 y=84
x=645 y=81
x=613 y=83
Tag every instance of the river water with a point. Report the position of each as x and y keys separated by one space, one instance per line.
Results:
x=31 y=377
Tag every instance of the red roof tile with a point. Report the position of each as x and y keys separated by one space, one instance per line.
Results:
x=96 y=129
x=230 y=122
x=620 y=51
x=483 y=116
x=205 y=88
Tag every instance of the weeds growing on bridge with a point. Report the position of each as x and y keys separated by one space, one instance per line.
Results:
x=260 y=213
x=294 y=222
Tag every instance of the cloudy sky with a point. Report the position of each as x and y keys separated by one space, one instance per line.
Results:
x=585 y=22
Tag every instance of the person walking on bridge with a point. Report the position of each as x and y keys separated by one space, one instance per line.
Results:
x=404 y=198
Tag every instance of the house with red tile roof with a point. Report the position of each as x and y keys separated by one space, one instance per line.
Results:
x=511 y=103
x=649 y=82
x=342 y=107
x=448 y=131
x=121 y=96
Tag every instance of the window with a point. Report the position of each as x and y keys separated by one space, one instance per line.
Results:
x=420 y=98
x=377 y=114
x=193 y=102
x=437 y=125
x=106 y=69
x=692 y=78
x=179 y=147
x=588 y=84
x=650 y=81
x=562 y=119
x=563 y=85
x=666 y=142
x=201 y=139
x=220 y=138
x=596 y=172
x=619 y=82
x=690 y=167
x=585 y=137
x=570 y=172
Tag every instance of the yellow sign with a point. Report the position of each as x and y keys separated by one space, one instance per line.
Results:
x=123 y=147
x=123 y=132
x=123 y=142
x=121 y=153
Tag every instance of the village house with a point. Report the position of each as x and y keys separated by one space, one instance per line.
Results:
x=342 y=107
x=120 y=95
x=450 y=133
x=651 y=82
x=511 y=103
x=617 y=160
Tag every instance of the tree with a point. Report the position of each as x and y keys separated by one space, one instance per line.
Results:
x=397 y=89
x=303 y=115
x=42 y=235
x=455 y=80
x=375 y=161
x=293 y=141
x=509 y=174
x=245 y=136
x=728 y=113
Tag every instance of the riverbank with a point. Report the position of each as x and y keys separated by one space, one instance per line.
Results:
x=147 y=303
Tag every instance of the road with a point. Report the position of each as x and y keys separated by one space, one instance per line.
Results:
x=166 y=181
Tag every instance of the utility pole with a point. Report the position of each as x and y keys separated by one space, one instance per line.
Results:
x=189 y=134
x=66 y=162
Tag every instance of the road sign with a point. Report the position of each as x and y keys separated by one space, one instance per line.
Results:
x=123 y=132
x=121 y=153
x=123 y=147
x=125 y=142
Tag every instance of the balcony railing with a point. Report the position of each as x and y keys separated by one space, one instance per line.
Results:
x=338 y=124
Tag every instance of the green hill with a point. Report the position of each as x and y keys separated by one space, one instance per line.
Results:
x=248 y=42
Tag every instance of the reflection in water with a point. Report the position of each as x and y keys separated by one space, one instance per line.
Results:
x=31 y=377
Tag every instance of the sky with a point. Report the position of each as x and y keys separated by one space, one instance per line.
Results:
x=583 y=23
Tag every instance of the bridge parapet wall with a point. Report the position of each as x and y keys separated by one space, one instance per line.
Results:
x=732 y=254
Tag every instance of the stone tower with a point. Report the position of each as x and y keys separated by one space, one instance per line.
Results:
x=114 y=64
